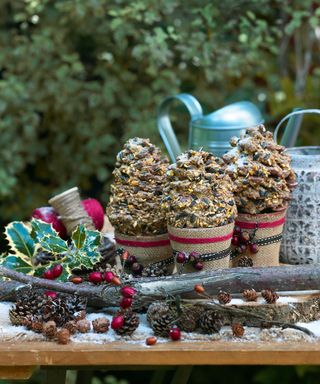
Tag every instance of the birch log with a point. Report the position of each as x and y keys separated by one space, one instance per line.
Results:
x=234 y=280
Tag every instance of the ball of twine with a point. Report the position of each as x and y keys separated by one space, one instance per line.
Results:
x=69 y=207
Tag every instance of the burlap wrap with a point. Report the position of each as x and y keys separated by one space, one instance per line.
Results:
x=268 y=255
x=186 y=245
x=147 y=253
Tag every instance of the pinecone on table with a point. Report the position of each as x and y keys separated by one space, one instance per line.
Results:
x=245 y=261
x=36 y=324
x=28 y=303
x=270 y=296
x=189 y=319
x=250 y=295
x=237 y=329
x=224 y=297
x=63 y=308
x=34 y=303
x=155 y=271
x=161 y=318
x=210 y=321
x=131 y=323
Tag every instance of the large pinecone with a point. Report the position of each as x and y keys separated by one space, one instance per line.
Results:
x=188 y=320
x=210 y=321
x=131 y=323
x=33 y=302
x=161 y=317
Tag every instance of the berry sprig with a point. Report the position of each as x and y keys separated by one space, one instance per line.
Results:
x=192 y=258
x=244 y=241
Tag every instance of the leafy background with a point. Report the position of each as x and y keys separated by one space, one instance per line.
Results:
x=79 y=77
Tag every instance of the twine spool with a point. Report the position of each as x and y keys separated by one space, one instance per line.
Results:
x=268 y=228
x=69 y=207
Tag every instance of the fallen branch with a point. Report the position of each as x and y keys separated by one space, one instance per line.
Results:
x=234 y=280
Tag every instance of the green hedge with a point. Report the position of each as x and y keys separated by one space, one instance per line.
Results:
x=78 y=77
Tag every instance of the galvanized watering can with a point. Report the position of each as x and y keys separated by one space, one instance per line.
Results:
x=301 y=240
x=211 y=132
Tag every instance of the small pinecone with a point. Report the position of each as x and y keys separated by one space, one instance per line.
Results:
x=250 y=295
x=189 y=319
x=224 y=297
x=107 y=250
x=101 y=325
x=83 y=326
x=237 y=329
x=131 y=323
x=155 y=271
x=71 y=326
x=43 y=257
x=210 y=321
x=50 y=329
x=270 y=296
x=63 y=336
x=36 y=324
x=245 y=261
x=161 y=318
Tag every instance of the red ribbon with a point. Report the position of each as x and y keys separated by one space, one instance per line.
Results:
x=266 y=224
x=143 y=244
x=205 y=240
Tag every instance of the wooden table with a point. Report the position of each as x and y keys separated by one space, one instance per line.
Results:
x=18 y=360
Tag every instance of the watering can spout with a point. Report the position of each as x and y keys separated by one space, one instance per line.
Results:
x=211 y=132
x=165 y=128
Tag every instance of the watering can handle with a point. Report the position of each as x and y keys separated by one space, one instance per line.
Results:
x=164 y=125
x=294 y=113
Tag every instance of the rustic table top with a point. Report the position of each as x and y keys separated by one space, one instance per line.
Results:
x=171 y=353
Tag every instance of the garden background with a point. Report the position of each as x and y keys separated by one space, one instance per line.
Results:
x=79 y=77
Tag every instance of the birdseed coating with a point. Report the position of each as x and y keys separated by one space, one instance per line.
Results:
x=136 y=193
x=198 y=193
x=262 y=176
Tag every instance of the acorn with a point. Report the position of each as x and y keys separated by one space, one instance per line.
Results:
x=63 y=336
x=151 y=340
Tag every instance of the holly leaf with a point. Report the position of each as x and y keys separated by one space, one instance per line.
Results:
x=91 y=245
x=18 y=264
x=20 y=240
x=47 y=237
x=79 y=236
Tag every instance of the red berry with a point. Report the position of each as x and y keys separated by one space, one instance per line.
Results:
x=48 y=274
x=95 y=277
x=242 y=248
x=116 y=281
x=95 y=210
x=125 y=255
x=108 y=276
x=151 y=340
x=199 y=288
x=51 y=294
x=194 y=256
x=57 y=270
x=181 y=258
x=235 y=240
x=117 y=322
x=254 y=248
x=237 y=230
x=175 y=333
x=131 y=260
x=126 y=302
x=137 y=268
x=245 y=237
x=49 y=215
x=76 y=280
x=127 y=291
x=198 y=266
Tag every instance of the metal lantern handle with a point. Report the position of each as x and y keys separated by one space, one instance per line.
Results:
x=286 y=136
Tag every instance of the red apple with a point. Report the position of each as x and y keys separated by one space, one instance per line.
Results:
x=49 y=215
x=95 y=211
